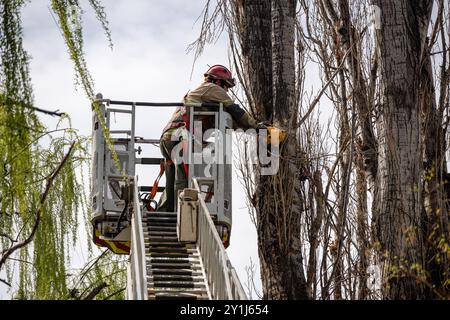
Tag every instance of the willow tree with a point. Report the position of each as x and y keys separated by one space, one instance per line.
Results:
x=40 y=194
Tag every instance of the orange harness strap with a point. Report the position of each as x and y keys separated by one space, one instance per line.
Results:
x=155 y=184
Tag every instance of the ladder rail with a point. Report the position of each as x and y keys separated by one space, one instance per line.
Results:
x=137 y=272
x=222 y=278
x=237 y=290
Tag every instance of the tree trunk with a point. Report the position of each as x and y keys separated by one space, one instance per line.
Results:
x=343 y=185
x=362 y=228
x=314 y=240
x=255 y=26
x=398 y=210
x=435 y=212
x=266 y=33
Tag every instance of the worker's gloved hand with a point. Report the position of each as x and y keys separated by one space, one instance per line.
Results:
x=263 y=125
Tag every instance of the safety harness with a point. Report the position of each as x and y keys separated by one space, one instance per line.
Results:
x=149 y=197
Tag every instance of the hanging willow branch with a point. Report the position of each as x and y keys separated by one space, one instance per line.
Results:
x=25 y=164
x=7 y=252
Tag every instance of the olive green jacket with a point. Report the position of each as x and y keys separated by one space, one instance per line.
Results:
x=208 y=92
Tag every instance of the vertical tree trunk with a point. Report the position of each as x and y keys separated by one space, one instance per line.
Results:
x=266 y=33
x=435 y=213
x=362 y=228
x=283 y=62
x=280 y=200
x=398 y=210
x=255 y=30
x=314 y=240
x=343 y=185
x=350 y=42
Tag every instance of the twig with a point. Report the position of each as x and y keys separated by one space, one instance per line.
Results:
x=92 y=264
x=321 y=92
x=114 y=293
x=51 y=113
x=5 y=282
x=22 y=261
x=4 y=235
x=96 y=291
x=29 y=106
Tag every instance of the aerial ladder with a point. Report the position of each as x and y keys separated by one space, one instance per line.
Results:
x=172 y=255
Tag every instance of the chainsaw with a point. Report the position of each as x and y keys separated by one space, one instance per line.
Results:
x=273 y=131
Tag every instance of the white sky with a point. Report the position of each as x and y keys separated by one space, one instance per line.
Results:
x=148 y=63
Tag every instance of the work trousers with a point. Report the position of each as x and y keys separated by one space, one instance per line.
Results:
x=176 y=178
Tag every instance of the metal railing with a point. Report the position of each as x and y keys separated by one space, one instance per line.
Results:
x=222 y=278
x=137 y=273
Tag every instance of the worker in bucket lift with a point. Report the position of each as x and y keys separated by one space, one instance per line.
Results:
x=218 y=79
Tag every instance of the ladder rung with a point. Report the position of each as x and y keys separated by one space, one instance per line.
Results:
x=149 y=188
x=174 y=277
x=172 y=254
x=174 y=266
x=162 y=228
x=181 y=272
x=119 y=110
x=160 y=224
x=171 y=250
x=120 y=131
x=159 y=219
x=155 y=161
x=176 y=296
x=172 y=260
x=199 y=291
x=146 y=141
x=168 y=244
x=176 y=284
x=148 y=214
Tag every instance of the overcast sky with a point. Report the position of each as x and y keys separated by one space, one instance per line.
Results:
x=148 y=63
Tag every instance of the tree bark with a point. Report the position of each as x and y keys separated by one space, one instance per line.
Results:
x=435 y=212
x=362 y=228
x=266 y=33
x=314 y=240
x=398 y=204
x=255 y=30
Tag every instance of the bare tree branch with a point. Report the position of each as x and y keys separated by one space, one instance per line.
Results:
x=29 y=106
x=5 y=282
x=96 y=291
x=51 y=113
x=4 y=235
x=85 y=272
x=321 y=92
x=115 y=293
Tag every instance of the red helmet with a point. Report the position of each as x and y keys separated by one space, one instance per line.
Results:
x=220 y=72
